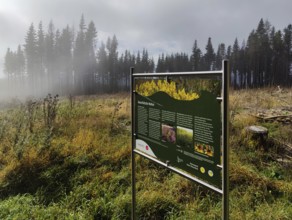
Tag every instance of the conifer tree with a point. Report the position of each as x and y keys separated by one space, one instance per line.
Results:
x=90 y=60
x=50 y=55
x=8 y=64
x=221 y=54
x=65 y=67
x=287 y=53
x=209 y=56
x=112 y=46
x=20 y=63
x=80 y=57
x=196 y=57
x=102 y=65
x=31 y=56
x=235 y=59
x=138 y=65
x=161 y=64
x=40 y=47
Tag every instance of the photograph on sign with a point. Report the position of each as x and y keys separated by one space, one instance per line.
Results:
x=178 y=122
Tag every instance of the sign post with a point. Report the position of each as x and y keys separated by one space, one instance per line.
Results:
x=133 y=146
x=225 y=134
x=185 y=133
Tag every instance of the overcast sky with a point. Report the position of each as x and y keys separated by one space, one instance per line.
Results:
x=157 y=25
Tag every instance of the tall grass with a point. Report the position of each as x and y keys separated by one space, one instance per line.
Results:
x=79 y=168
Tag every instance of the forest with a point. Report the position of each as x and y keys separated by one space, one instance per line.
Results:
x=68 y=156
x=68 y=62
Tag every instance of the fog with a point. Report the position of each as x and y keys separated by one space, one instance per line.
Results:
x=65 y=62
x=62 y=84
x=61 y=66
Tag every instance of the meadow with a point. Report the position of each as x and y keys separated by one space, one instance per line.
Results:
x=70 y=158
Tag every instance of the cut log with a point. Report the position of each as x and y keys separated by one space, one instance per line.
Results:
x=286 y=119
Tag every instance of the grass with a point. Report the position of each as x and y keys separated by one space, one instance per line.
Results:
x=79 y=166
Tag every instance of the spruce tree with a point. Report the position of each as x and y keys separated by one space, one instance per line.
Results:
x=31 y=56
x=8 y=64
x=112 y=46
x=209 y=56
x=65 y=67
x=90 y=61
x=278 y=66
x=41 y=49
x=221 y=54
x=79 y=58
x=50 y=56
x=287 y=40
x=20 y=63
x=235 y=56
x=196 y=57
x=102 y=66
x=138 y=64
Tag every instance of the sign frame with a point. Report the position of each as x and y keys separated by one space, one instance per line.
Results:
x=224 y=73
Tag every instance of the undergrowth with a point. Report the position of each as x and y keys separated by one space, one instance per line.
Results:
x=76 y=165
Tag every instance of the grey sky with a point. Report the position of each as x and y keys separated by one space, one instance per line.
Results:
x=157 y=25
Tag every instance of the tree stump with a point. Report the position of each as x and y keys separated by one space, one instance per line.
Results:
x=260 y=134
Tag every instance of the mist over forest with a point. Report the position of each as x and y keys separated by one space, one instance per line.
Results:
x=68 y=62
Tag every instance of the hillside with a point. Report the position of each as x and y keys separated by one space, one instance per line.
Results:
x=69 y=158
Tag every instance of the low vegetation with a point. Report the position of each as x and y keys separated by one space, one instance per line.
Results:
x=69 y=158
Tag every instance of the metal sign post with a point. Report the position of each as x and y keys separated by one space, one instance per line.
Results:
x=205 y=120
x=133 y=147
x=225 y=135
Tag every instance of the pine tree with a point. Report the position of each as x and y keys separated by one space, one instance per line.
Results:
x=112 y=46
x=196 y=57
x=40 y=53
x=278 y=66
x=242 y=65
x=151 y=65
x=264 y=52
x=20 y=63
x=8 y=64
x=91 y=64
x=102 y=65
x=50 y=56
x=287 y=40
x=79 y=57
x=145 y=61
x=228 y=52
x=138 y=65
x=221 y=54
x=235 y=59
x=252 y=59
x=161 y=66
x=64 y=44
x=31 y=56
x=40 y=49
x=209 y=56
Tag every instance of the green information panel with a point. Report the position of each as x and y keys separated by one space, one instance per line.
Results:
x=184 y=134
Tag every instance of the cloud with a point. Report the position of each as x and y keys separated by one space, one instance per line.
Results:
x=159 y=26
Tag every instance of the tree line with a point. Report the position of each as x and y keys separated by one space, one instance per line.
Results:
x=265 y=59
x=65 y=62
x=69 y=62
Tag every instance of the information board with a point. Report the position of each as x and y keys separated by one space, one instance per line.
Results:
x=187 y=136
x=183 y=134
